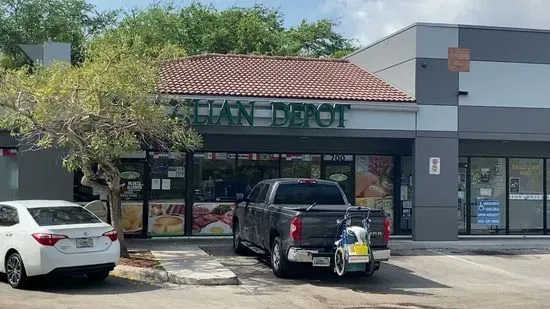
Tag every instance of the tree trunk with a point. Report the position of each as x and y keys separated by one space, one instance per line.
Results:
x=116 y=216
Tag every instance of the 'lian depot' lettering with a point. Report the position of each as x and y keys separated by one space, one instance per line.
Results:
x=292 y=115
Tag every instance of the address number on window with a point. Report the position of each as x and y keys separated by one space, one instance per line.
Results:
x=338 y=158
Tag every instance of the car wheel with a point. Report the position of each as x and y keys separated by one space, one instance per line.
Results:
x=15 y=271
x=238 y=246
x=98 y=276
x=279 y=263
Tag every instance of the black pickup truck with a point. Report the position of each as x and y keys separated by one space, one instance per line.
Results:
x=295 y=220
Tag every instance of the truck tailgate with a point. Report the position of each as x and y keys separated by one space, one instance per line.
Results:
x=319 y=227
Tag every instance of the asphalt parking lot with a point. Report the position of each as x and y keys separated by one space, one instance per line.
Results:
x=413 y=279
x=426 y=279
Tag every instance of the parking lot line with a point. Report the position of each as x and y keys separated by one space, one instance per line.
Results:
x=473 y=263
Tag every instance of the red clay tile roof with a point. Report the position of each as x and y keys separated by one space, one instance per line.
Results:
x=275 y=77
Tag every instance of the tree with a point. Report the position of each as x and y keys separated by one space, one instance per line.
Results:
x=38 y=21
x=257 y=30
x=317 y=39
x=96 y=111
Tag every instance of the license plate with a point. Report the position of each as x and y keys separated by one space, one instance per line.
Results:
x=321 y=261
x=84 y=242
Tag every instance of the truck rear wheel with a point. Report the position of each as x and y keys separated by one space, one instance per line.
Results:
x=279 y=263
x=238 y=246
x=372 y=267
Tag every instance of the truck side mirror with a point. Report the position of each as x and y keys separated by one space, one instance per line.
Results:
x=243 y=200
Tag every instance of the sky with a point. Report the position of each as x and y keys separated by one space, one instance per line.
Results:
x=369 y=20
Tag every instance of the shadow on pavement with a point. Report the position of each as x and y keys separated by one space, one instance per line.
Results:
x=81 y=286
x=255 y=273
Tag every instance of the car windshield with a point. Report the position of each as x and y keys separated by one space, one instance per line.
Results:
x=309 y=193
x=47 y=216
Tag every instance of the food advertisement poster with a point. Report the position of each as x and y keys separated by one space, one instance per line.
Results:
x=374 y=183
x=213 y=218
x=132 y=217
x=166 y=219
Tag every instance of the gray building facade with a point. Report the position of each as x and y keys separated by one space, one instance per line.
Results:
x=487 y=122
x=28 y=174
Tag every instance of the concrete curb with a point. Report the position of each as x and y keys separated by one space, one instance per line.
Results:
x=173 y=278
x=156 y=276
x=147 y=275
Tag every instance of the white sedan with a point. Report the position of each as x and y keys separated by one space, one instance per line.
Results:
x=44 y=237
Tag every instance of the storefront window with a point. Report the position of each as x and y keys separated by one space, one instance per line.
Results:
x=526 y=195
x=167 y=198
x=255 y=167
x=405 y=194
x=374 y=183
x=9 y=182
x=82 y=194
x=488 y=195
x=300 y=166
x=86 y=196
x=215 y=192
x=132 y=173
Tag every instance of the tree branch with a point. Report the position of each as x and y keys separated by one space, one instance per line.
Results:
x=94 y=184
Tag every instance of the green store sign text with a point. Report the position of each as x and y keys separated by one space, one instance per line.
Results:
x=283 y=114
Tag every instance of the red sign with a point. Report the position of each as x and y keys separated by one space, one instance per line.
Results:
x=8 y=152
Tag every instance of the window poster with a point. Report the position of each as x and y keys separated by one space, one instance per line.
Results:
x=374 y=182
x=485 y=174
x=166 y=219
x=213 y=218
x=131 y=177
x=132 y=217
x=514 y=185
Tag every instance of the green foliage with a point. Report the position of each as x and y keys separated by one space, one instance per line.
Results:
x=168 y=29
x=98 y=110
x=257 y=30
x=38 y=21
x=317 y=39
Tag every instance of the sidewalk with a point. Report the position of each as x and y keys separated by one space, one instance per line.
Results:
x=511 y=243
x=503 y=242
x=185 y=262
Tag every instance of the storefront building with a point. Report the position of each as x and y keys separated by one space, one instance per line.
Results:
x=488 y=85
x=448 y=134
x=270 y=117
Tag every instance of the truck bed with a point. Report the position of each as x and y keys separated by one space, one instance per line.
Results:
x=320 y=223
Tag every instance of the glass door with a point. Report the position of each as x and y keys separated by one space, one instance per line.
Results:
x=487 y=184
x=405 y=195
x=462 y=211
x=339 y=168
